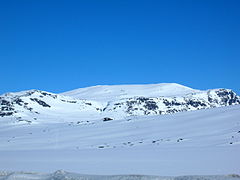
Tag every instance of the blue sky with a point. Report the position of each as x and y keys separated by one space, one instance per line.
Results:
x=62 y=45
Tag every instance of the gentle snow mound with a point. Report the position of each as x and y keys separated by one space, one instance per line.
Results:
x=114 y=92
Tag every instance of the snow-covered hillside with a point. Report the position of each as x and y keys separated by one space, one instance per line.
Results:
x=115 y=102
x=114 y=134
x=115 y=92
x=188 y=143
x=203 y=128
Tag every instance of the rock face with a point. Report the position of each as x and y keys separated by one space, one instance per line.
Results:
x=30 y=104
x=168 y=105
x=13 y=103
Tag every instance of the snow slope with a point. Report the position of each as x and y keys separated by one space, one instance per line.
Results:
x=196 y=142
x=115 y=92
x=171 y=130
x=202 y=128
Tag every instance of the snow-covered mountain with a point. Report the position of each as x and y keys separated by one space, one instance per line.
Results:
x=115 y=92
x=130 y=129
x=115 y=102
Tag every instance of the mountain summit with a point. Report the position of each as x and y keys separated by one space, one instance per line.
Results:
x=115 y=92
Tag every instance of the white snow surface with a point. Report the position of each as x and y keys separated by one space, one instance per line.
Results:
x=63 y=175
x=197 y=142
x=162 y=129
x=115 y=92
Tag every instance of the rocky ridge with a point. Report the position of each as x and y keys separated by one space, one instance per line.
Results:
x=30 y=104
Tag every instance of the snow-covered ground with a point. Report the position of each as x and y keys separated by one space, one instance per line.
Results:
x=197 y=142
x=62 y=175
x=162 y=129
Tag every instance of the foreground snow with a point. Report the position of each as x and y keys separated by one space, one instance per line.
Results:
x=198 y=142
x=62 y=175
x=147 y=161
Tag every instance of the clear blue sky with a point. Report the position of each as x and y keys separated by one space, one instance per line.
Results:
x=62 y=45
